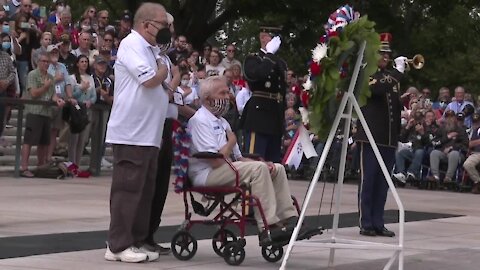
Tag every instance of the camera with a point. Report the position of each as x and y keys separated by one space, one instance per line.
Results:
x=25 y=25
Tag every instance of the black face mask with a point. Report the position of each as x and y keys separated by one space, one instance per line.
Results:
x=163 y=36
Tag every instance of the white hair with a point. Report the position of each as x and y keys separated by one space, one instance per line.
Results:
x=208 y=85
x=146 y=12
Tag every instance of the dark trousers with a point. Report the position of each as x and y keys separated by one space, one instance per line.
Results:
x=164 y=162
x=133 y=185
x=373 y=186
x=265 y=145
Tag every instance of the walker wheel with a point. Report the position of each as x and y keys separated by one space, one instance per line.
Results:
x=184 y=245
x=234 y=253
x=272 y=253
x=220 y=239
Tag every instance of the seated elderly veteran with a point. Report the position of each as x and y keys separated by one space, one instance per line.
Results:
x=211 y=133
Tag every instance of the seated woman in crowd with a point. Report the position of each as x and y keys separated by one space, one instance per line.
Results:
x=451 y=145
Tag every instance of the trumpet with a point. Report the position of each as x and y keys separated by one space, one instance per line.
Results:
x=417 y=62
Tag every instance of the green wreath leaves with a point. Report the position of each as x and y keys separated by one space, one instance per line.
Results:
x=335 y=70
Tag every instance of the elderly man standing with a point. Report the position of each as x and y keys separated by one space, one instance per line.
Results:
x=135 y=131
x=40 y=86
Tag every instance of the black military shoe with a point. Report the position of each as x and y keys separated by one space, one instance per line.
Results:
x=367 y=232
x=384 y=232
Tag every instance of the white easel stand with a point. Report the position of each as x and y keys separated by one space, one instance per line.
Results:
x=334 y=242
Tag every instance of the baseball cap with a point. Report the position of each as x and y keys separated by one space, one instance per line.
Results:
x=127 y=16
x=65 y=38
x=52 y=47
x=100 y=60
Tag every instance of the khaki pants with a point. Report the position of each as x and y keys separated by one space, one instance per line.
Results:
x=470 y=166
x=272 y=191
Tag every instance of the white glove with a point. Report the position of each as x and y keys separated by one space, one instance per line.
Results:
x=400 y=63
x=273 y=45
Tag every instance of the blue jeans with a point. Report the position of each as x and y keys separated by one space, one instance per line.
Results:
x=22 y=70
x=416 y=158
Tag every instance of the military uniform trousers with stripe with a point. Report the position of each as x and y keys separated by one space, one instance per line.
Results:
x=373 y=187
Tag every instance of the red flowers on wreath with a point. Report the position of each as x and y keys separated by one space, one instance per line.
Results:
x=315 y=68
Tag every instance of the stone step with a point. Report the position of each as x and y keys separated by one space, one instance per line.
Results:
x=9 y=160
x=8 y=171
x=10 y=150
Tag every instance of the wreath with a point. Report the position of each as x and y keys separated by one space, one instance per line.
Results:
x=332 y=65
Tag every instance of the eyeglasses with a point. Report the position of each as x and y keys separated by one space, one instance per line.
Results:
x=164 y=24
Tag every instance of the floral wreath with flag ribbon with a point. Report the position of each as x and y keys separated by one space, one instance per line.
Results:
x=332 y=64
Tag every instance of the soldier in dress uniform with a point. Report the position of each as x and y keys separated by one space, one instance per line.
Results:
x=382 y=113
x=263 y=115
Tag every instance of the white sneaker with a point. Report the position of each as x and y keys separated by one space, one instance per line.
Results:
x=151 y=255
x=131 y=255
x=106 y=164
x=400 y=177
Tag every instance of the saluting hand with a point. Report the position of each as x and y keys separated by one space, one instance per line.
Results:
x=273 y=45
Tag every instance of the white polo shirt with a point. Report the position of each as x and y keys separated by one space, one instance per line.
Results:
x=138 y=113
x=208 y=135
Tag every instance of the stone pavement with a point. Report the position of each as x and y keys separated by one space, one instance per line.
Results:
x=30 y=207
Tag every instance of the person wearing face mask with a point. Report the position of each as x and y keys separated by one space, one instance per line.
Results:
x=59 y=8
x=7 y=78
x=443 y=95
x=165 y=155
x=210 y=132
x=135 y=130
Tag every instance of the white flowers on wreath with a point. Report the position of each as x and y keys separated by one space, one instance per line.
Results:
x=307 y=85
x=319 y=52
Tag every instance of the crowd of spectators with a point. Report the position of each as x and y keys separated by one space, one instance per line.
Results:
x=79 y=54
x=47 y=55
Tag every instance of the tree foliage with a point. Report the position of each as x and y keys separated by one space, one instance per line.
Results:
x=446 y=32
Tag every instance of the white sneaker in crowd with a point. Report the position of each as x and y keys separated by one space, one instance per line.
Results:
x=151 y=255
x=106 y=164
x=131 y=255
x=400 y=177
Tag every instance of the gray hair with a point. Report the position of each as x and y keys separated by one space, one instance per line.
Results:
x=208 y=85
x=146 y=12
